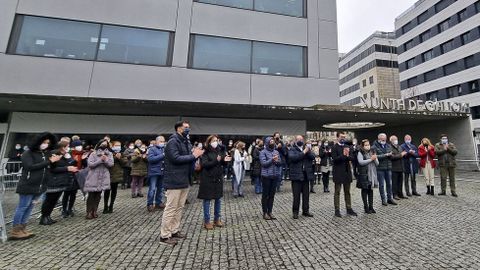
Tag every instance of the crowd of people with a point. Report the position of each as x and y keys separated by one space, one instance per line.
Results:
x=52 y=168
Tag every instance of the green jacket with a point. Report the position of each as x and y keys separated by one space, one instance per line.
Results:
x=139 y=164
x=116 y=172
x=446 y=157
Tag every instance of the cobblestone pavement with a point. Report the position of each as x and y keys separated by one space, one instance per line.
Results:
x=420 y=233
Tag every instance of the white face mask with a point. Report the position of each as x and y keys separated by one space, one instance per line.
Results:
x=200 y=145
x=395 y=142
x=131 y=147
x=67 y=149
x=161 y=145
x=43 y=146
x=117 y=148
x=408 y=141
x=325 y=144
x=367 y=148
x=79 y=148
x=18 y=147
x=214 y=145
x=67 y=156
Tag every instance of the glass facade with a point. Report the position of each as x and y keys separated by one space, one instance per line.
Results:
x=294 y=8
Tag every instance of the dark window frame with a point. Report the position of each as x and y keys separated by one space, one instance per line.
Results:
x=253 y=9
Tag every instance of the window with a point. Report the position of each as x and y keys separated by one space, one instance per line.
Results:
x=477 y=6
x=411 y=82
x=429 y=76
x=365 y=96
x=444 y=25
x=226 y=54
x=441 y=5
x=422 y=17
x=407 y=27
x=132 y=45
x=425 y=36
x=294 y=8
x=466 y=38
x=371 y=79
x=216 y=53
x=428 y=55
x=473 y=86
x=364 y=83
x=278 y=59
x=469 y=61
x=55 y=38
x=447 y=46
x=475 y=111
x=246 y=4
x=462 y=15
x=372 y=94
x=450 y=69
x=408 y=45
x=285 y=7
x=433 y=96
x=410 y=63
x=453 y=91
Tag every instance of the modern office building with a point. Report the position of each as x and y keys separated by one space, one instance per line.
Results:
x=121 y=54
x=438 y=45
x=370 y=70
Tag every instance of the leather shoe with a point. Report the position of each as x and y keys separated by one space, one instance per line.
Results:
x=337 y=213
x=307 y=214
x=295 y=216
x=392 y=202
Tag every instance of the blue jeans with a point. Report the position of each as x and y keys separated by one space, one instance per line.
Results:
x=155 y=189
x=24 y=208
x=258 y=184
x=206 y=210
x=385 y=177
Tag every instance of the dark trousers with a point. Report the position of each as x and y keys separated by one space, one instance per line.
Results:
x=326 y=180
x=410 y=177
x=301 y=188
x=127 y=178
x=367 y=198
x=397 y=184
x=49 y=203
x=93 y=200
x=68 y=200
x=268 y=194
x=107 y=193
x=346 y=191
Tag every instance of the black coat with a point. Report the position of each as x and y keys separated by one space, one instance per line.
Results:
x=256 y=166
x=61 y=179
x=342 y=172
x=396 y=158
x=299 y=163
x=211 y=183
x=179 y=162
x=35 y=174
x=325 y=156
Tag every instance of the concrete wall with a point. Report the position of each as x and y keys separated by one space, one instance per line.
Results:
x=43 y=76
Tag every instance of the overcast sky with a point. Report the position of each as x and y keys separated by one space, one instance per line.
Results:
x=358 y=19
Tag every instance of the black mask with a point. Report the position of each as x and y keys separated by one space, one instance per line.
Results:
x=271 y=146
x=299 y=143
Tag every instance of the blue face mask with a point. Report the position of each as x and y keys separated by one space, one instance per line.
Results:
x=186 y=132
x=161 y=145
x=342 y=141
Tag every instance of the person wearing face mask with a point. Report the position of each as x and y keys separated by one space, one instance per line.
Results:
x=230 y=148
x=139 y=169
x=384 y=169
x=426 y=151
x=397 y=168
x=446 y=152
x=342 y=158
x=282 y=150
x=256 y=166
x=325 y=164
x=127 y=169
x=239 y=165
x=211 y=186
x=116 y=177
x=156 y=166
x=62 y=179
x=70 y=193
x=36 y=164
x=98 y=177
x=14 y=161
x=179 y=165
x=410 y=166
x=271 y=169
x=300 y=158
x=77 y=153
x=367 y=175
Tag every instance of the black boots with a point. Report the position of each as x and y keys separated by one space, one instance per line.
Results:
x=431 y=190
x=46 y=220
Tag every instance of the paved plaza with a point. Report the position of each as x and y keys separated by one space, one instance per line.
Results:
x=420 y=233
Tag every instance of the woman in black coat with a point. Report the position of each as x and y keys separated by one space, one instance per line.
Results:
x=62 y=178
x=36 y=164
x=211 y=184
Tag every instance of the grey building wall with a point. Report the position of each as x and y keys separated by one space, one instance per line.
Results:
x=61 y=77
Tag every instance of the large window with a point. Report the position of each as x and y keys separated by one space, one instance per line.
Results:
x=294 y=8
x=447 y=46
x=55 y=38
x=408 y=45
x=411 y=63
x=428 y=55
x=226 y=54
x=466 y=38
x=220 y=54
x=444 y=25
x=131 y=45
x=38 y=36
x=277 y=59
x=425 y=36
